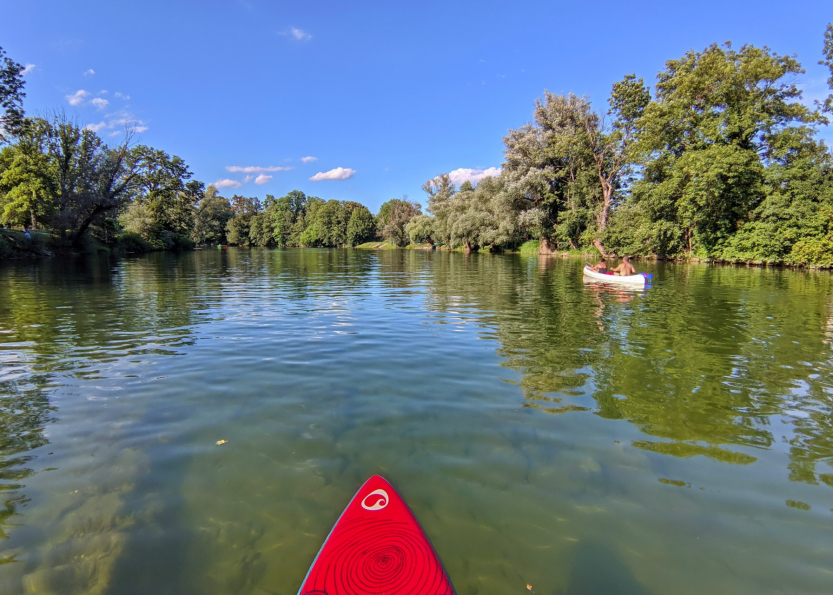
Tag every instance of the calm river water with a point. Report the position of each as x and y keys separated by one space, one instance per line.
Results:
x=578 y=438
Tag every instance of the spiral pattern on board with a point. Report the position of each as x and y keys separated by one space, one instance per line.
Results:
x=380 y=557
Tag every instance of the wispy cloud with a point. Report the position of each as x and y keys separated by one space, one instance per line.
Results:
x=100 y=102
x=89 y=72
x=96 y=127
x=297 y=34
x=252 y=169
x=458 y=176
x=262 y=179
x=309 y=159
x=122 y=96
x=226 y=183
x=78 y=97
x=339 y=173
x=27 y=69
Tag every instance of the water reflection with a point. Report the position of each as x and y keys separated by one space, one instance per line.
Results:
x=531 y=417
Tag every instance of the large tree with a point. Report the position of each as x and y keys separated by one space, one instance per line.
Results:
x=11 y=96
x=393 y=216
x=707 y=141
x=549 y=168
x=163 y=209
x=213 y=214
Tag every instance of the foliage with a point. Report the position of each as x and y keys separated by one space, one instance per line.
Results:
x=238 y=229
x=212 y=216
x=360 y=227
x=164 y=202
x=707 y=140
x=827 y=104
x=421 y=229
x=393 y=216
x=132 y=243
x=530 y=247
x=11 y=95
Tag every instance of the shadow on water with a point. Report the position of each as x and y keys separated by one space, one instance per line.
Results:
x=598 y=570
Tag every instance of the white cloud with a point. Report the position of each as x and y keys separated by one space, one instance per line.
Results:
x=458 y=176
x=78 y=97
x=298 y=34
x=309 y=159
x=96 y=127
x=251 y=169
x=247 y=179
x=262 y=179
x=89 y=72
x=139 y=129
x=27 y=69
x=100 y=103
x=122 y=96
x=339 y=173
x=226 y=183
x=102 y=92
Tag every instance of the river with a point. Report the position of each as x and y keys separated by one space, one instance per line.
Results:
x=574 y=437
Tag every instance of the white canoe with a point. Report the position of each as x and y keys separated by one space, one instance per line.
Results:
x=626 y=280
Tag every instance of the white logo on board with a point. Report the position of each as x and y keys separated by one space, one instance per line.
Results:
x=377 y=503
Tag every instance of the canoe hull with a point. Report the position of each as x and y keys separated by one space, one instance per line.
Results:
x=638 y=280
x=377 y=546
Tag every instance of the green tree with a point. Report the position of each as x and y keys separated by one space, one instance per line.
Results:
x=27 y=176
x=549 y=168
x=827 y=104
x=361 y=226
x=238 y=229
x=393 y=216
x=213 y=214
x=440 y=190
x=11 y=96
x=707 y=140
x=163 y=210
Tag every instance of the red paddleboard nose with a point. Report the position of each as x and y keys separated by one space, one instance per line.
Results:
x=377 y=547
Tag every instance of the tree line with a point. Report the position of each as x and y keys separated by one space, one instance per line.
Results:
x=58 y=176
x=720 y=160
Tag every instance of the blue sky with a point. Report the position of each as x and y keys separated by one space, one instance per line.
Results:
x=382 y=94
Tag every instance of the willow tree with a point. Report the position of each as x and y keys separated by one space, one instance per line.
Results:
x=393 y=216
x=568 y=165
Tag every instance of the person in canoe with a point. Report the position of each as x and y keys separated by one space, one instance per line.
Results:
x=600 y=267
x=625 y=268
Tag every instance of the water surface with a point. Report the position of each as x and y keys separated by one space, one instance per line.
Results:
x=579 y=438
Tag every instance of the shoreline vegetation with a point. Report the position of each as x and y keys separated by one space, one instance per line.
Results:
x=719 y=161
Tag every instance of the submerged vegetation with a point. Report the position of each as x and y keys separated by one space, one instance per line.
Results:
x=719 y=161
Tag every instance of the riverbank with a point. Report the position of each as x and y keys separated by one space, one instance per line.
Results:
x=14 y=245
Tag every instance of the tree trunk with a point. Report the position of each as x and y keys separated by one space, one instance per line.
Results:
x=572 y=244
x=601 y=248
x=82 y=229
x=607 y=198
x=467 y=247
x=545 y=247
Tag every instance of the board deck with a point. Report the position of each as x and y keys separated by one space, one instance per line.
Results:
x=377 y=547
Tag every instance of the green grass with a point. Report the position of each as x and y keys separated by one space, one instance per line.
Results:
x=376 y=246
x=530 y=247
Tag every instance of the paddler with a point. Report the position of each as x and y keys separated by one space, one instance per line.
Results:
x=599 y=267
x=625 y=268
